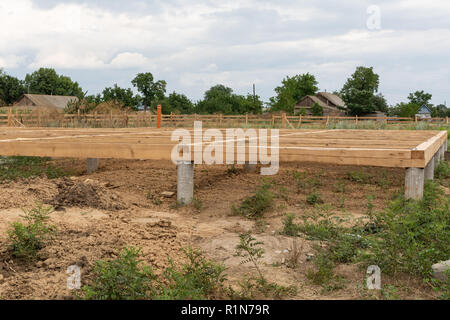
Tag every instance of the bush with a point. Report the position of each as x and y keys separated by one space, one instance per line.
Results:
x=123 y=278
x=255 y=206
x=197 y=280
x=27 y=239
x=289 y=227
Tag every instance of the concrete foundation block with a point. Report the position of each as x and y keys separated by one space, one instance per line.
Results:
x=442 y=153
x=185 y=182
x=414 y=183
x=250 y=168
x=92 y=165
x=429 y=170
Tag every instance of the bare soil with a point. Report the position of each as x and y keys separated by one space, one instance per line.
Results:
x=121 y=205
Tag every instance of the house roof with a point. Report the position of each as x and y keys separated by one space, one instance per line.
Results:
x=51 y=101
x=424 y=110
x=316 y=100
x=335 y=99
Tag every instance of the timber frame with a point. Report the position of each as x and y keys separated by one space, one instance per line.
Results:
x=382 y=148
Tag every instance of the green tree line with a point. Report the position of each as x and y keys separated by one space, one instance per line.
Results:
x=360 y=94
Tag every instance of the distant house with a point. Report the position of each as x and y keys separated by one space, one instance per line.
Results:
x=41 y=100
x=424 y=112
x=332 y=104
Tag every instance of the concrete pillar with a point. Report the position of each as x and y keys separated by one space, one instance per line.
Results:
x=92 y=165
x=429 y=170
x=249 y=167
x=442 y=152
x=414 y=182
x=185 y=183
x=437 y=158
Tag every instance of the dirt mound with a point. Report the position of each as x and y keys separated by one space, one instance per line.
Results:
x=88 y=193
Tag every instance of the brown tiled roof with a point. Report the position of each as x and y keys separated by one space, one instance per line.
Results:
x=51 y=101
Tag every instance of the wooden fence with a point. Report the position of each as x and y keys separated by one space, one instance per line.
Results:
x=33 y=118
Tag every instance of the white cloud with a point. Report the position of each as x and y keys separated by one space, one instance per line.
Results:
x=196 y=44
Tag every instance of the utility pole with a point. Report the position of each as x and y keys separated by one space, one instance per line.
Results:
x=254 y=97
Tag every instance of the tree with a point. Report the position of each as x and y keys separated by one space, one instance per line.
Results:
x=420 y=98
x=316 y=110
x=292 y=90
x=47 y=81
x=407 y=110
x=359 y=92
x=440 y=111
x=150 y=90
x=124 y=96
x=179 y=103
x=221 y=99
x=11 y=89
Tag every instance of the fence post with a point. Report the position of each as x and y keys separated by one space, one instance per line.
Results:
x=356 y=119
x=10 y=117
x=38 y=118
x=446 y=120
x=415 y=118
x=246 y=119
x=328 y=120
x=283 y=120
x=158 y=117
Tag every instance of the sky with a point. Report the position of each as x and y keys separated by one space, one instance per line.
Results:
x=195 y=44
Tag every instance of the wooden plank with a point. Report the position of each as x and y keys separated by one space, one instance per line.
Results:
x=428 y=149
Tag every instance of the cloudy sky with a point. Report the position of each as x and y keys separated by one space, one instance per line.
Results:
x=194 y=44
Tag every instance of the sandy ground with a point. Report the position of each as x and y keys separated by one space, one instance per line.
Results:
x=121 y=205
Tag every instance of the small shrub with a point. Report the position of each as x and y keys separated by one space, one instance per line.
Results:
x=197 y=204
x=124 y=278
x=314 y=198
x=27 y=239
x=289 y=227
x=254 y=207
x=250 y=249
x=198 y=279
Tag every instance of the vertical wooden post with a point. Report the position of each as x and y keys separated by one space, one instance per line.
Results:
x=38 y=118
x=273 y=120
x=220 y=119
x=17 y=115
x=356 y=119
x=9 y=117
x=415 y=118
x=300 y=120
x=328 y=120
x=283 y=120
x=159 y=117
x=446 y=120
x=246 y=119
x=110 y=118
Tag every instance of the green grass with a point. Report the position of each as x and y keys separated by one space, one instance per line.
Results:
x=256 y=205
x=17 y=167
x=290 y=228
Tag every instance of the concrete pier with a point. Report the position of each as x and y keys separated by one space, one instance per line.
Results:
x=92 y=165
x=250 y=168
x=185 y=182
x=414 y=183
x=429 y=170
